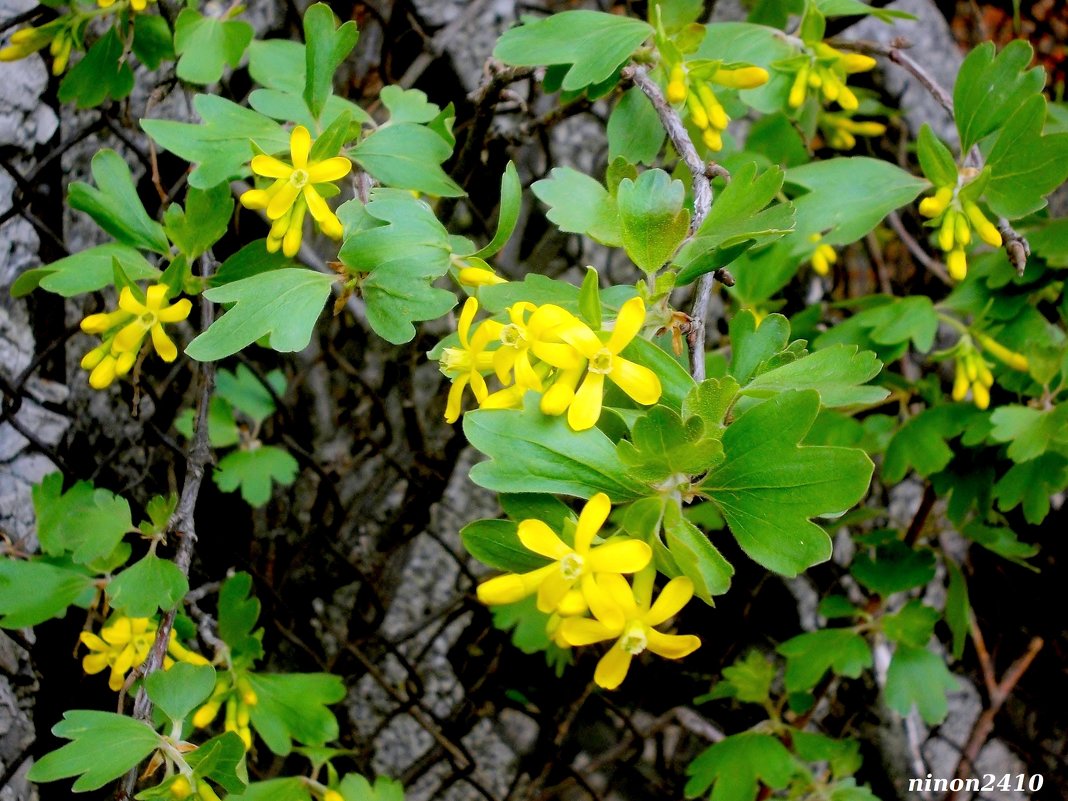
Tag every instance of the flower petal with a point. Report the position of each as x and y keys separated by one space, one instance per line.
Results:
x=329 y=170
x=163 y=344
x=283 y=201
x=612 y=668
x=628 y=324
x=270 y=167
x=512 y=587
x=316 y=204
x=671 y=646
x=573 y=604
x=639 y=382
x=116 y=679
x=94 y=663
x=129 y=338
x=592 y=517
x=622 y=556
x=583 y=631
x=467 y=316
x=524 y=373
x=536 y=536
x=552 y=589
x=156 y=296
x=557 y=398
x=130 y=304
x=558 y=354
x=503 y=362
x=176 y=312
x=673 y=598
x=577 y=333
x=300 y=146
x=93 y=642
x=585 y=408
x=478 y=386
x=601 y=604
x=456 y=394
x=620 y=592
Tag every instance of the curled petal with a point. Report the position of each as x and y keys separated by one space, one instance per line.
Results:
x=103 y=374
x=674 y=597
x=601 y=604
x=282 y=201
x=163 y=344
x=592 y=517
x=316 y=204
x=300 y=147
x=478 y=386
x=536 y=536
x=176 y=312
x=129 y=338
x=524 y=372
x=638 y=381
x=612 y=668
x=503 y=361
x=552 y=589
x=671 y=646
x=93 y=642
x=129 y=303
x=329 y=170
x=94 y=663
x=558 y=354
x=620 y=593
x=628 y=324
x=586 y=407
x=156 y=296
x=467 y=316
x=558 y=397
x=579 y=335
x=624 y=556
x=456 y=394
x=583 y=631
x=512 y=587
x=270 y=167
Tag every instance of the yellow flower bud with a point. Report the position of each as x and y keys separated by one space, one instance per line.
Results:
x=935 y=204
x=869 y=128
x=741 y=78
x=1017 y=361
x=697 y=112
x=205 y=792
x=946 y=231
x=103 y=374
x=846 y=98
x=181 y=788
x=987 y=231
x=479 y=276
x=713 y=139
x=717 y=117
x=981 y=396
x=829 y=84
x=676 y=89
x=206 y=714
x=962 y=232
x=983 y=374
x=799 y=88
x=960 y=382
x=957 y=263
x=856 y=62
x=94 y=357
x=333 y=795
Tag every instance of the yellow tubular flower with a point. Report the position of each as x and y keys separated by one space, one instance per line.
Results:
x=479 y=276
x=181 y=788
x=935 y=204
x=856 y=62
x=960 y=381
x=294 y=192
x=205 y=792
x=465 y=365
x=571 y=568
x=182 y=654
x=957 y=264
x=123 y=644
x=333 y=795
x=676 y=88
x=697 y=112
x=136 y=5
x=717 y=116
x=799 y=89
x=516 y=339
x=987 y=231
x=148 y=318
x=741 y=78
x=634 y=626
x=1010 y=358
x=603 y=360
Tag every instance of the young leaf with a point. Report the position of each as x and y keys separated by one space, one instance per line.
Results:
x=33 y=592
x=102 y=747
x=253 y=471
x=281 y=304
x=936 y=160
x=103 y=73
x=590 y=298
x=180 y=689
x=768 y=487
x=913 y=624
x=86 y=522
x=205 y=45
x=237 y=617
x=203 y=222
x=662 y=445
x=578 y=204
x=735 y=766
x=147 y=586
x=635 y=132
x=917 y=677
x=406 y=156
x=114 y=205
x=839 y=374
x=810 y=655
x=1032 y=484
x=327 y=47
x=292 y=706
x=895 y=567
x=221 y=759
x=695 y=556
x=990 y=89
x=496 y=543
x=533 y=452
x=652 y=219
x=507 y=214
x=593 y=45
x=85 y=271
x=244 y=390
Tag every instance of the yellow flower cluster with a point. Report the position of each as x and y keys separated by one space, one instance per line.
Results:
x=955 y=220
x=548 y=350
x=124 y=331
x=297 y=189
x=135 y=5
x=237 y=695
x=182 y=789
x=826 y=72
x=586 y=578
x=124 y=643
x=706 y=112
x=823 y=256
x=26 y=41
x=842 y=130
x=972 y=373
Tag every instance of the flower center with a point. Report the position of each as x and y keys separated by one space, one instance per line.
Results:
x=512 y=336
x=602 y=361
x=456 y=360
x=148 y=319
x=634 y=640
x=298 y=178
x=571 y=566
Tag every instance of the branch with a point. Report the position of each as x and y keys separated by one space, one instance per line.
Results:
x=702 y=202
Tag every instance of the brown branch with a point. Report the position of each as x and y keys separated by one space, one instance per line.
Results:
x=919 y=520
x=933 y=266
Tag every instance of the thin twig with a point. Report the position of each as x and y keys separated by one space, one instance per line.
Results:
x=933 y=266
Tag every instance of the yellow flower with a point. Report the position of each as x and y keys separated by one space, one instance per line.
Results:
x=466 y=364
x=603 y=360
x=571 y=567
x=294 y=192
x=479 y=276
x=705 y=109
x=826 y=71
x=633 y=625
x=136 y=5
x=955 y=219
x=842 y=131
x=237 y=695
x=823 y=256
x=1010 y=358
x=972 y=374
x=124 y=644
x=539 y=335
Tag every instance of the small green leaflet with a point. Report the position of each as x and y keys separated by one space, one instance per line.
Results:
x=917 y=677
x=238 y=614
x=292 y=706
x=768 y=487
x=326 y=48
x=33 y=592
x=593 y=44
x=533 y=452
x=839 y=374
x=103 y=73
x=990 y=89
x=578 y=204
x=407 y=156
x=220 y=145
x=253 y=471
x=1025 y=166
x=753 y=345
x=281 y=304
x=662 y=445
x=695 y=556
x=245 y=392
x=147 y=586
x=355 y=787
x=1031 y=432
x=634 y=129
x=180 y=689
x=496 y=543
x=205 y=45
x=843 y=756
x=153 y=42
x=1032 y=484
x=114 y=205
x=291 y=788
x=86 y=522
x=921 y=443
x=652 y=218
x=748 y=679
x=222 y=427
x=202 y=222
x=507 y=215
x=895 y=567
x=735 y=766
x=221 y=759
x=810 y=655
x=1002 y=541
x=102 y=747
x=913 y=624
x=85 y=271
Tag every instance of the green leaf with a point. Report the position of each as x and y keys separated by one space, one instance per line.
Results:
x=1032 y=484
x=921 y=443
x=203 y=222
x=578 y=204
x=205 y=45
x=739 y=219
x=114 y=205
x=652 y=218
x=913 y=624
x=356 y=788
x=1030 y=432
x=590 y=298
x=1002 y=541
x=634 y=129
x=989 y=90
x=86 y=522
x=152 y=42
x=244 y=390
x=496 y=543
x=752 y=345
x=408 y=105
x=238 y=614
x=936 y=160
x=768 y=487
x=222 y=427
x=838 y=373
x=711 y=400
x=675 y=380
x=399 y=293
x=293 y=706
x=894 y=567
x=735 y=766
x=33 y=592
x=837 y=606
x=759 y=45
x=851 y=8
x=146 y=586
x=748 y=679
x=180 y=689
x=253 y=472
x=250 y=260
x=538 y=289
x=291 y=788
x=281 y=304
x=663 y=445
x=695 y=555
x=221 y=759
x=222 y=145
x=917 y=677
x=810 y=655
x=533 y=452
x=327 y=47
x=406 y=156
x=593 y=44
x=86 y=271
x=507 y=215
x=1025 y=166
x=842 y=755
x=392 y=226
x=103 y=747
x=103 y=73
x=958 y=608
